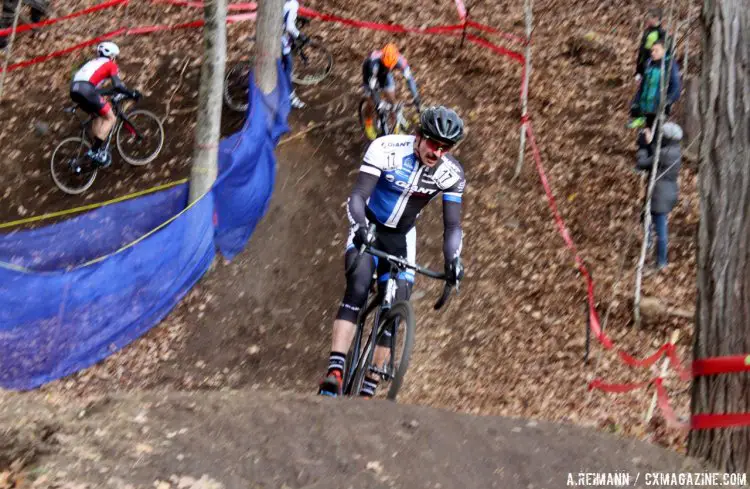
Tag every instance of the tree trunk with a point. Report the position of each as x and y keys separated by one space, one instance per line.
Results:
x=723 y=309
x=691 y=117
x=9 y=49
x=205 y=154
x=268 y=30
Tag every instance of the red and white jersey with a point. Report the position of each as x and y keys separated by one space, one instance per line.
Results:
x=96 y=71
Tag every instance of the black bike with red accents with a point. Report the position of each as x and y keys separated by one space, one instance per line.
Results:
x=395 y=317
x=139 y=137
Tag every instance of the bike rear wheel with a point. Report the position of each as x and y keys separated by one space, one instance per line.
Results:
x=140 y=138
x=72 y=171
x=312 y=63
x=236 y=86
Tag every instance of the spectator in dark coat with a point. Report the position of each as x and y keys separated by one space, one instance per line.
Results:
x=653 y=33
x=666 y=188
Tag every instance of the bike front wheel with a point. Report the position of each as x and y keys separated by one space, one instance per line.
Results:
x=72 y=171
x=312 y=63
x=140 y=137
x=236 y=86
x=400 y=320
x=381 y=129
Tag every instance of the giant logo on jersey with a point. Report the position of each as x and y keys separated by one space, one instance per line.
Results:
x=414 y=189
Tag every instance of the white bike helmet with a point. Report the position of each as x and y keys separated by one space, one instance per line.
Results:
x=108 y=50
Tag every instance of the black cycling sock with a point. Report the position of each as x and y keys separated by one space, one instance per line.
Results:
x=336 y=363
x=369 y=386
x=97 y=145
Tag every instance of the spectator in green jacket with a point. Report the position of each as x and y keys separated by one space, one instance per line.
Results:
x=645 y=106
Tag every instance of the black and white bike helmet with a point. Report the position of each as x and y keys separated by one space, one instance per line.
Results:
x=441 y=124
x=108 y=50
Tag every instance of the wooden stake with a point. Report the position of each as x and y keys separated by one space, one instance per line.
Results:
x=664 y=365
x=528 y=14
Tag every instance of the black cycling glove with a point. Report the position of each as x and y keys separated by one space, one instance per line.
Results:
x=454 y=271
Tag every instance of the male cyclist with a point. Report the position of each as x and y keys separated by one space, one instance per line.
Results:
x=398 y=178
x=377 y=75
x=290 y=35
x=84 y=92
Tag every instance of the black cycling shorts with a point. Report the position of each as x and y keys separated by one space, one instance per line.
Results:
x=359 y=281
x=88 y=98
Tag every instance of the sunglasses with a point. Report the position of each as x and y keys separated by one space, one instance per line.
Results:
x=437 y=146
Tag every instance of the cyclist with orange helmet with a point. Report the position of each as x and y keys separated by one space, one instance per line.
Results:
x=377 y=76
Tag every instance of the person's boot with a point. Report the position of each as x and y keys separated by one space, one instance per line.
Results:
x=369 y=386
x=100 y=157
x=296 y=102
x=331 y=385
x=636 y=123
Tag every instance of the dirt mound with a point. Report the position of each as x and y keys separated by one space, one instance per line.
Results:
x=242 y=439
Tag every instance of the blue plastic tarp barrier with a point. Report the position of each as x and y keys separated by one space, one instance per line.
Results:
x=76 y=291
x=247 y=167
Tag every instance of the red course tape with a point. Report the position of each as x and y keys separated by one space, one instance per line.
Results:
x=128 y=32
x=492 y=30
x=709 y=421
x=721 y=365
x=606 y=342
x=62 y=52
x=618 y=388
x=231 y=6
x=377 y=26
x=28 y=27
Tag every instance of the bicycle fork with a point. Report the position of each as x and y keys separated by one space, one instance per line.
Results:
x=386 y=372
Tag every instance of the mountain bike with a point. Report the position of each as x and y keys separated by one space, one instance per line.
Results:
x=390 y=117
x=395 y=317
x=313 y=62
x=138 y=134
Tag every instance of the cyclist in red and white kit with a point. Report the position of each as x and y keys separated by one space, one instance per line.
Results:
x=84 y=91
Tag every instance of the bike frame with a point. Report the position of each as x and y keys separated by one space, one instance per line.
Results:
x=122 y=118
x=384 y=304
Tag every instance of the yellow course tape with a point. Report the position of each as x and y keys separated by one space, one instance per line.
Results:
x=88 y=207
x=138 y=240
x=18 y=268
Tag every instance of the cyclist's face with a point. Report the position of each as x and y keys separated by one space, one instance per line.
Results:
x=431 y=151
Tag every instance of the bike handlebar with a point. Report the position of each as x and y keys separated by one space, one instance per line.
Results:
x=404 y=263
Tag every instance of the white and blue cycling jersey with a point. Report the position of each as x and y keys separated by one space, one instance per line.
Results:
x=394 y=187
x=290 y=31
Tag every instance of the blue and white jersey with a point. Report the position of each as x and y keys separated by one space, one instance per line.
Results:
x=405 y=185
x=290 y=31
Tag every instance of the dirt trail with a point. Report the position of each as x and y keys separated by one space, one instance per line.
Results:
x=248 y=439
